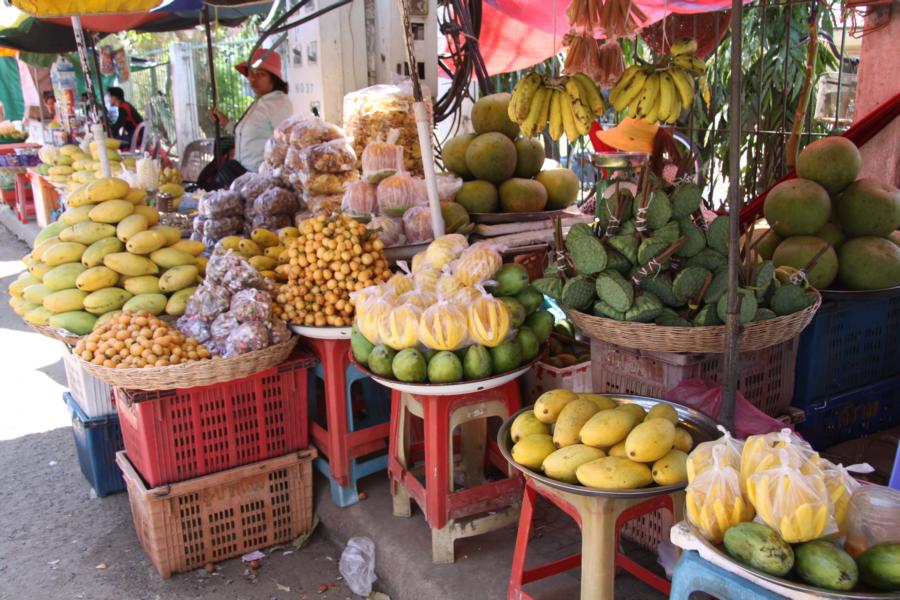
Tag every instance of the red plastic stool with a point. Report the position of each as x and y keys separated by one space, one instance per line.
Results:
x=344 y=441
x=480 y=506
x=600 y=519
x=24 y=199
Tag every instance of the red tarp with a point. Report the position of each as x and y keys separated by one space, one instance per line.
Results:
x=516 y=34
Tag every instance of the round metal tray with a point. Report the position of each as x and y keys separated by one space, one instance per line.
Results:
x=787 y=583
x=860 y=294
x=323 y=333
x=447 y=389
x=396 y=253
x=517 y=217
x=701 y=428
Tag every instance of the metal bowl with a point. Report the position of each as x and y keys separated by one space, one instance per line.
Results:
x=860 y=294
x=701 y=428
x=322 y=333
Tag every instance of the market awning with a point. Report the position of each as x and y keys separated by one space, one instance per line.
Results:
x=516 y=34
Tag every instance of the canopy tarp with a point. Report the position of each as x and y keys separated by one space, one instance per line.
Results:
x=516 y=34
x=69 y=8
x=11 y=89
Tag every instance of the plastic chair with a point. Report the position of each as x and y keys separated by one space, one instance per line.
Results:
x=695 y=574
x=196 y=155
x=138 y=134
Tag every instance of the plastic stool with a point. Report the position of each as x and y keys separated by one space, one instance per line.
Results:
x=344 y=438
x=694 y=574
x=481 y=506
x=600 y=519
x=24 y=199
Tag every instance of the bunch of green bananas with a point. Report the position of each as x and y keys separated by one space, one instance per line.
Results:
x=659 y=92
x=567 y=104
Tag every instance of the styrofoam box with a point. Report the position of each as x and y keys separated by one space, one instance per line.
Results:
x=92 y=395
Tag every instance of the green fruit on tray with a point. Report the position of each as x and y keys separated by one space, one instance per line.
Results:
x=361 y=347
x=528 y=343
x=381 y=360
x=511 y=279
x=444 y=367
x=879 y=566
x=541 y=323
x=409 y=366
x=477 y=363
x=515 y=309
x=506 y=356
x=478 y=197
x=531 y=299
x=760 y=547
x=824 y=565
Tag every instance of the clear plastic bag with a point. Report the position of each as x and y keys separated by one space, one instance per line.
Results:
x=194 y=326
x=232 y=271
x=208 y=301
x=216 y=229
x=841 y=487
x=448 y=185
x=292 y=160
x=873 y=518
x=713 y=500
x=279 y=332
x=256 y=185
x=327 y=183
x=276 y=201
x=282 y=133
x=701 y=458
x=274 y=153
x=251 y=305
x=370 y=313
x=390 y=230
x=313 y=130
x=357 y=565
x=418 y=297
x=381 y=159
x=320 y=204
x=794 y=504
x=360 y=199
x=488 y=320
x=446 y=249
x=781 y=448
x=443 y=327
x=220 y=204
x=335 y=156
x=272 y=222
x=400 y=326
x=400 y=192
x=247 y=337
x=478 y=263
x=221 y=328
x=417 y=225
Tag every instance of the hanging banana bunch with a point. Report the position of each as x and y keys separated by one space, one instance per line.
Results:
x=566 y=104
x=659 y=92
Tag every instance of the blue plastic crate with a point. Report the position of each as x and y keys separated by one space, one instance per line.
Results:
x=852 y=414
x=848 y=345
x=96 y=441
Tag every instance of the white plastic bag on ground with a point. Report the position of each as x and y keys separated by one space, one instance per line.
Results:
x=357 y=565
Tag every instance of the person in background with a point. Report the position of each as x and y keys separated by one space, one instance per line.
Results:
x=129 y=118
x=270 y=107
x=50 y=105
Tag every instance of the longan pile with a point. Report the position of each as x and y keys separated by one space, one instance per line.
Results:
x=332 y=257
x=138 y=340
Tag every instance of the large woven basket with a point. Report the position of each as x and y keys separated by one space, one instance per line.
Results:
x=660 y=338
x=193 y=374
x=69 y=339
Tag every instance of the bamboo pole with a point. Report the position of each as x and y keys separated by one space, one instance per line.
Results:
x=732 y=316
x=97 y=127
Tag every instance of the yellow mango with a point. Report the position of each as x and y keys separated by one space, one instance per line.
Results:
x=130 y=226
x=39 y=269
x=562 y=464
x=571 y=419
x=154 y=304
x=17 y=287
x=63 y=252
x=93 y=256
x=96 y=278
x=607 y=428
x=264 y=238
x=201 y=264
x=602 y=402
x=136 y=196
x=65 y=301
x=36 y=293
x=285 y=234
x=38 y=316
x=614 y=473
x=527 y=424
x=111 y=211
x=549 y=404
x=107 y=188
x=178 y=278
x=670 y=469
x=249 y=248
x=263 y=263
x=106 y=300
x=618 y=450
x=150 y=213
x=74 y=216
x=170 y=257
x=532 y=449
x=145 y=242
x=172 y=234
x=143 y=285
x=635 y=409
x=663 y=411
x=39 y=250
x=192 y=247
x=129 y=264
x=88 y=232
x=178 y=301
x=683 y=439
x=173 y=189
x=77 y=322
x=63 y=277
x=649 y=441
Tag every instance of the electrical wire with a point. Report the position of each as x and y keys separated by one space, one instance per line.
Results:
x=460 y=23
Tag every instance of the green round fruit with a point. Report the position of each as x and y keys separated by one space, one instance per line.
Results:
x=477 y=363
x=797 y=207
x=361 y=347
x=455 y=216
x=528 y=343
x=445 y=367
x=478 y=197
x=562 y=187
x=531 y=299
x=492 y=157
x=869 y=263
x=824 y=565
x=409 y=366
x=381 y=360
x=507 y=356
x=454 y=154
x=516 y=311
x=879 y=566
x=798 y=251
x=522 y=195
x=511 y=279
x=832 y=162
x=868 y=207
x=490 y=113
x=529 y=157
x=541 y=323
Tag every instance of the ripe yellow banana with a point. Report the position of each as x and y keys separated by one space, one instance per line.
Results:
x=668 y=96
x=532 y=123
x=653 y=115
x=631 y=91
x=568 y=117
x=633 y=108
x=683 y=45
x=556 y=119
x=591 y=93
x=623 y=82
x=649 y=95
x=579 y=107
x=690 y=63
x=684 y=84
x=525 y=96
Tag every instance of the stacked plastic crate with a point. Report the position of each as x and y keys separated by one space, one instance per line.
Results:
x=214 y=472
x=95 y=427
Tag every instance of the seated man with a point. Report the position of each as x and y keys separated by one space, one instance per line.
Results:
x=129 y=118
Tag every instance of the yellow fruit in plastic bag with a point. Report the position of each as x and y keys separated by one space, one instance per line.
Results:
x=840 y=485
x=399 y=284
x=400 y=328
x=477 y=264
x=701 y=458
x=442 y=327
x=427 y=279
x=419 y=263
x=421 y=298
x=447 y=285
x=488 y=321
x=717 y=504
x=793 y=504
x=762 y=452
x=464 y=296
x=370 y=314
x=445 y=249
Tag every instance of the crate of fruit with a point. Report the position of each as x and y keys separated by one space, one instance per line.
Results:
x=93 y=396
x=187 y=525
x=173 y=435
x=568 y=365
x=765 y=377
x=96 y=442
x=852 y=414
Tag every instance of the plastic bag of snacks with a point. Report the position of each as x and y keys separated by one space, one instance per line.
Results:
x=417 y=225
x=216 y=229
x=276 y=201
x=271 y=222
x=219 y=204
x=391 y=230
x=382 y=159
x=873 y=518
x=371 y=113
x=713 y=499
x=255 y=185
x=251 y=305
x=327 y=183
x=360 y=199
x=313 y=130
x=320 y=204
x=335 y=156
x=701 y=458
x=400 y=192
x=282 y=133
x=781 y=448
x=279 y=332
x=208 y=301
x=399 y=329
x=443 y=327
x=274 y=153
x=292 y=161
x=221 y=327
x=247 y=337
x=794 y=504
x=194 y=326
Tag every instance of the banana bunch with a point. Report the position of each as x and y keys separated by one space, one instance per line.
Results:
x=567 y=104
x=659 y=92
x=717 y=505
x=798 y=510
x=170 y=175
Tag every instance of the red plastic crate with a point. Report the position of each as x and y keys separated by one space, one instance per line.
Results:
x=174 y=435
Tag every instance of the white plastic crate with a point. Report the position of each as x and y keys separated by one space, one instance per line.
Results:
x=92 y=395
x=542 y=378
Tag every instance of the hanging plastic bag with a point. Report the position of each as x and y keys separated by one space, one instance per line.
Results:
x=398 y=193
x=701 y=457
x=713 y=500
x=360 y=199
x=792 y=503
x=357 y=565
x=448 y=185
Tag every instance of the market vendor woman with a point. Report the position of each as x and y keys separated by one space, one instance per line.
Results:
x=270 y=107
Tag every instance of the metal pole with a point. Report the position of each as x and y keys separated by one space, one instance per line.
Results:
x=732 y=316
x=98 y=97
x=97 y=128
x=424 y=127
x=212 y=77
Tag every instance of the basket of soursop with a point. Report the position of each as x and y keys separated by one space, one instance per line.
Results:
x=651 y=274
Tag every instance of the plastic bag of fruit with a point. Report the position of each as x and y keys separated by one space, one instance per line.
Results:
x=780 y=448
x=220 y=204
x=399 y=328
x=335 y=156
x=247 y=337
x=382 y=159
x=417 y=225
x=477 y=264
x=193 y=325
x=371 y=312
x=390 y=230
x=360 y=199
x=276 y=201
x=251 y=305
x=714 y=500
x=313 y=130
x=790 y=501
x=841 y=487
x=208 y=301
x=279 y=332
x=400 y=192
x=443 y=327
x=701 y=457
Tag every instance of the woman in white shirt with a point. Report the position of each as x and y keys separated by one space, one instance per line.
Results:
x=270 y=107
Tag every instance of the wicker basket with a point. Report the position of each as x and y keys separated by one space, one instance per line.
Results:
x=68 y=339
x=193 y=374
x=659 y=338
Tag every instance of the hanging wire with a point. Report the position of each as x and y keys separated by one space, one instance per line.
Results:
x=460 y=23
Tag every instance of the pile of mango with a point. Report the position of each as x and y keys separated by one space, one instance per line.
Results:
x=601 y=443
x=71 y=166
x=106 y=253
x=264 y=250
